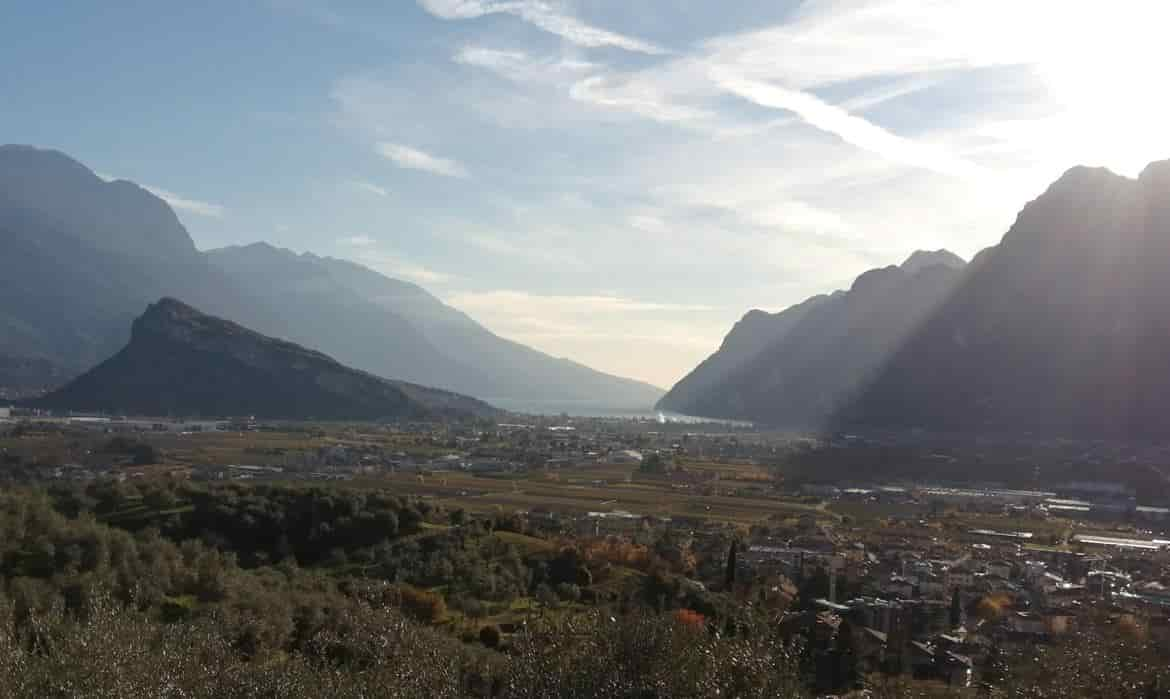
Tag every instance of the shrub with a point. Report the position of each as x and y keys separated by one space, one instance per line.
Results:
x=489 y=636
x=422 y=605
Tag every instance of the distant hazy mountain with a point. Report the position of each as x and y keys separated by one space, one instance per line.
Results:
x=184 y=363
x=355 y=313
x=922 y=259
x=754 y=333
x=1064 y=328
x=80 y=257
x=796 y=367
x=25 y=376
x=326 y=314
x=118 y=217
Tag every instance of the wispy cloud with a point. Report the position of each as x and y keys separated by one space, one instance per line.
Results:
x=520 y=66
x=588 y=303
x=544 y=16
x=853 y=129
x=537 y=252
x=193 y=206
x=366 y=251
x=415 y=159
x=599 y=329
x=641 y=98
x=357 y=241
x=415 y=272
x=783 y=158
x=177 y=201
x=370 y=188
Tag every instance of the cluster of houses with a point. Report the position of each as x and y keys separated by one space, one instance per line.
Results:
x=942 y=606
x=1100 y=501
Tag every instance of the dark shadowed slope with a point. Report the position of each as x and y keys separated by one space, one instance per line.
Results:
x=795 y=368
x=754 y=333
x=182 y=362
x=1062 y=329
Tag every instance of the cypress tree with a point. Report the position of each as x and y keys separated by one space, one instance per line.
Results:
x=729 y=579
x=956 y=610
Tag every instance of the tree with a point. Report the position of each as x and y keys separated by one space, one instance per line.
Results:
x=143 y=454
x=815 y=586
x=489 y=636
x=568 y=567
x=689 y=618
x=956 y=609
x=423 y=605
x=991 y=608
x=545 y=596
x=652 y=463
x=568 y=592
x=729 y=575
x=159 y=498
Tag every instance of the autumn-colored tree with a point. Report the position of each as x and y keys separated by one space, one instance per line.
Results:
x=992 y=607
x=423 y=605
x=689 y=618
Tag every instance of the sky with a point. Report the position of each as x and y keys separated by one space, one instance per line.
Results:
x=615 y=181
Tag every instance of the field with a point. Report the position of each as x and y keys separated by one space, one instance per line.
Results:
x=603 y=488
x=735 y=493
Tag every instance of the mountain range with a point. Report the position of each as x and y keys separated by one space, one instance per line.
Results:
x=82 y=256
x=793 y=368
x=1063 y=329
x=182 y=362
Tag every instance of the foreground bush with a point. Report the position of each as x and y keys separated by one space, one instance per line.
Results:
x=651 y=656
x=116 y=652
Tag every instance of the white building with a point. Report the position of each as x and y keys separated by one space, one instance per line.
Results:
x=959 y=576
x=5 y=413
x=626 y=456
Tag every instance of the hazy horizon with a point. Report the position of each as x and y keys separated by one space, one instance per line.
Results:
x=610 y=182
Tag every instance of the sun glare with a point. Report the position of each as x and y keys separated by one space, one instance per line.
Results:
x=1105 y=69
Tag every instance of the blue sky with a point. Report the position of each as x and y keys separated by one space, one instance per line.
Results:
x=616 y=181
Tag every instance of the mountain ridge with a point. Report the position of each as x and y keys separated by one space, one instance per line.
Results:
x=1061 y=329
x=180 y=361
x=113 y=247
x=765 y=353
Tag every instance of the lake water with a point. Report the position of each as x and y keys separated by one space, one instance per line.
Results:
x=600 y=410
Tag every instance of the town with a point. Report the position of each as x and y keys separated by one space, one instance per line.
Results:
x=949 y=581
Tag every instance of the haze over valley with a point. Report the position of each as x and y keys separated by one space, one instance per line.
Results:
x=585 y=349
